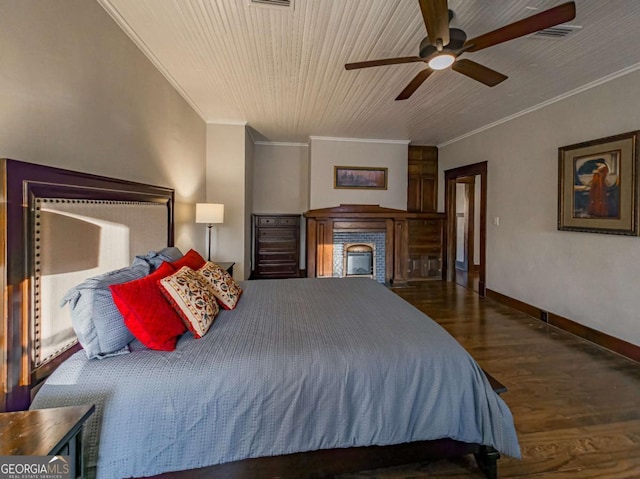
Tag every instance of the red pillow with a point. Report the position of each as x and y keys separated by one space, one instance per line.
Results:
x=147 y=313
x=192 y=259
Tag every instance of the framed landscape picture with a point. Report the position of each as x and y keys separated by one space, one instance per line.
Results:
x=598 y=186
x=360 y=177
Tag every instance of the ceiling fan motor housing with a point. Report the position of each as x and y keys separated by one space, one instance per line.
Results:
x=456 y=40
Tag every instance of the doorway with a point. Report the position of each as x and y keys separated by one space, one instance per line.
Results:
x=465 y=204
x=467 y=231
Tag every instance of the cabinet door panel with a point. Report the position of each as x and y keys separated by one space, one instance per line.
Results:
x=414 y=194
x=422 y=179
x=428 y=196
x=425 y=249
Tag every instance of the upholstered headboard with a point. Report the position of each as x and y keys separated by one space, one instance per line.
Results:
x=59 y=228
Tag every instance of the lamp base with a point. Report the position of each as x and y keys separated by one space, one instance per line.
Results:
x=209 y=227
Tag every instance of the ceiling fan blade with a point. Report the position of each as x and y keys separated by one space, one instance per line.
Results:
x=414 y=84
x=436 y=18
x=385 y=61
x=549 y=18
x=478 y=72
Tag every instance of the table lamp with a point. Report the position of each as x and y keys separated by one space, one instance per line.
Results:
x=209 y=213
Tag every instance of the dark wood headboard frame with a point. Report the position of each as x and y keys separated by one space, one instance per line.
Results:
x=21 y=184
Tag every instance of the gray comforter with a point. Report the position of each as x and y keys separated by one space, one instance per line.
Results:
x=299 y=365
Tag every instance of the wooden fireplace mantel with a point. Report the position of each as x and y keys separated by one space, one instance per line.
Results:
x=321 y=223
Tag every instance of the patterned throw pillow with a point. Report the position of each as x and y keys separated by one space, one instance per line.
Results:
x=192 y=298
x=225 y=288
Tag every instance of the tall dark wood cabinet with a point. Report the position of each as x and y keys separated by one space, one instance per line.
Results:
x=276 y=246
x=422 y=189
x=426 y=227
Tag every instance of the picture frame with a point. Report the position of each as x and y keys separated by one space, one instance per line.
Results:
x=598 y=185
x=360 y=177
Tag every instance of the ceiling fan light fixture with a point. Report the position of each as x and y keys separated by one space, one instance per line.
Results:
x=440 y=62
x=442 y=45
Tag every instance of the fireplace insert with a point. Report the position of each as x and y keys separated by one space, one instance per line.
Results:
x=359 y=260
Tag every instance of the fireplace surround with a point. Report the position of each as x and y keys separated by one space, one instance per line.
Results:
x=323 y=223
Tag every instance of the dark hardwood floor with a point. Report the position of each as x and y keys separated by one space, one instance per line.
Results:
x=468 y=279
x=576 y=406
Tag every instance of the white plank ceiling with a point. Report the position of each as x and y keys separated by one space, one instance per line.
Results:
x=281 y=70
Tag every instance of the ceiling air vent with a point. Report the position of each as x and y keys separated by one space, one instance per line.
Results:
x=556 y=33
x=272 y=3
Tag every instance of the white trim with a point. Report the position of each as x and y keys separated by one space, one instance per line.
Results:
x=360 y=140
x=228 y=123
x=576 y=91
x=126 y=28
x=278 y=143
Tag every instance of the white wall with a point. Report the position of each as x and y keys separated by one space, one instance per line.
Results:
x=281 y=182
x=281 y=178
x=228 y=176
x=325 y=153
x=586 y=277
x=249 y=160
x=76 y=93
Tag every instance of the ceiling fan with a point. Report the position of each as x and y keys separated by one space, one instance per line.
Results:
x=443 y=45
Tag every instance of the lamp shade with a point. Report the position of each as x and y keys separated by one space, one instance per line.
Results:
x=209 y=213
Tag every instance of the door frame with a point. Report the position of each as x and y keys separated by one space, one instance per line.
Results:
x=450 y=177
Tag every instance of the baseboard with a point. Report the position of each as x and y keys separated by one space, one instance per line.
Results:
x=611 y=343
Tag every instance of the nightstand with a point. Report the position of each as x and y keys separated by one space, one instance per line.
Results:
x=227 y=266
x=45 y=432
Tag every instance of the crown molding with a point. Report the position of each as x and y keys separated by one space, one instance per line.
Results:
x=227 y=123
x=279 y=143
x=360 y=140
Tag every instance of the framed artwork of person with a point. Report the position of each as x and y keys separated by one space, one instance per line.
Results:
x=598 y=187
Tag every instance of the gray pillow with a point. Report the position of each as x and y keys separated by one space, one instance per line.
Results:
x=96 y=320
x=155 y=258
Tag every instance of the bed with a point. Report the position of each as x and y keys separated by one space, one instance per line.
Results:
x=312 y=377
